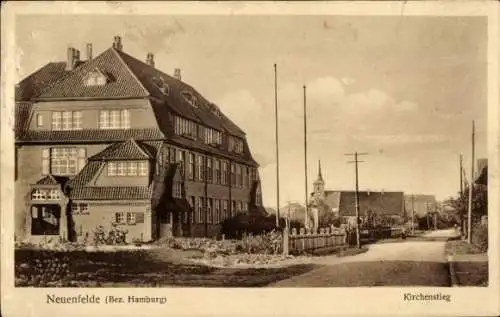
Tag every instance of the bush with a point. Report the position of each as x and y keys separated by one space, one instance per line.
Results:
x=114 y=236
x=236 y=227
x=269 y=243
x=480 y=237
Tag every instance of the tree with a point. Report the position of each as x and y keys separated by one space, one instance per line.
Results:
x=479 y=203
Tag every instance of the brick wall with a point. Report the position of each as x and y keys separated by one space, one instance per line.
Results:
x=103 y=214
x=141 y=113
x=29 y=171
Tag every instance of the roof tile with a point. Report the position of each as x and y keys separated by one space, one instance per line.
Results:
x=91 y=135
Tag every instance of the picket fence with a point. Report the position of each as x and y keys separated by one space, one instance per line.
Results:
x=307 y=241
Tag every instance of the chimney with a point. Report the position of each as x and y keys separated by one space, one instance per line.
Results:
x=89 y=51
x=150 y=60
x=117 y=43
x=70 y=59
x=76 y=57
x=177 y=73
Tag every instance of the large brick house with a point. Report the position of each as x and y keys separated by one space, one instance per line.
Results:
x=342 y=203
x=113 y=140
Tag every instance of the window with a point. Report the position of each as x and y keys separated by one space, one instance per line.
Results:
x=245 y=207
x=238 y=176
x=233 y=208
x=171 y=155
x=95 y=78
x=224 y=173
x=180 y=160
x=199 y=213
x=64 y=161
x=39 y=194
x=233 y=175
x=200 y=167
x=217 y=211
x=114 y=119
x=225 y=214
x=185 y=127
x=39 y=120
x=143 y=168
x=191 y=166
x=246 y=179
x=130 y=217
x=127 y=168
x=209 y=210
x=192 y=203
x=120 y=217
x=177 y=190
x=79 y=208
x=66 y=120
x=54 y=194
x=235 y=144
x=112 y=169
x=209 y=170
x=161 y=84
x=212 y=136
x=132 y=168
x=189 y=98
x=217 y=171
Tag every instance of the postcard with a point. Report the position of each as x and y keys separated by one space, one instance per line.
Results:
x=250 y=158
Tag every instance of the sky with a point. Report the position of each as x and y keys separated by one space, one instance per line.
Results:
x=402 y=89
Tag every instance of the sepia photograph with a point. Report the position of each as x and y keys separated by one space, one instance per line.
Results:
x=211 y=150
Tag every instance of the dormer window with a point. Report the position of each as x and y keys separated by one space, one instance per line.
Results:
x=190 y=98
x=95 y=78
x=161 y=85
x=215 y=110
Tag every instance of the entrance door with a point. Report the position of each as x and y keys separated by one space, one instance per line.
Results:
x=45 y=219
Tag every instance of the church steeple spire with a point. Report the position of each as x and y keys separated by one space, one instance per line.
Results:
x=320 y=176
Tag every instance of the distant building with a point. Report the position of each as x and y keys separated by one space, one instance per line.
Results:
x=420 y=204
x=387 y=204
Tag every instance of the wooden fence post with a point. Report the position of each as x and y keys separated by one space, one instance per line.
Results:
x=285 y=242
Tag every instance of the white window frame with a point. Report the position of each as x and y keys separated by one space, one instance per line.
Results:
x=38 y=194
x=39 y=120
x=143 y=168
x=131 y=219
x=64 y=161
x=120 y=217
x=114 y=119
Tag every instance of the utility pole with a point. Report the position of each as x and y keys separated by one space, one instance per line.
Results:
x=471 y=185
x=277 y=147
x=462 y=216
x=306 y=220
x=412 y=214
x=356 y=161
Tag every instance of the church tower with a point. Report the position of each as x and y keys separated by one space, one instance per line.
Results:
x=319 y=185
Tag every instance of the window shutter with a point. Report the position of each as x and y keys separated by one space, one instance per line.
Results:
x=45 y=161
x=139 y=217
x=82 y=157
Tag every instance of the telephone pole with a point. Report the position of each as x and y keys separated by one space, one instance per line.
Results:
x=462 y=217
x=356 y=161
x=471 y=185
x=277 y=147
x=412 y=214
x=306 y=220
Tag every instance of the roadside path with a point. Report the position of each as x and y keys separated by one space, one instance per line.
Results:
x=410 y=263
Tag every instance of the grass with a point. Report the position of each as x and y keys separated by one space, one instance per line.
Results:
x=471 y=273
x=375 y=273
x=140 y=268
x=459 y=247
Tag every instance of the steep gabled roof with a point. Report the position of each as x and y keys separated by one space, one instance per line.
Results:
x=33 y=85
x=52 y=180
x=127 y=150
x=122 y=83
x=382 y=203
x=85 y=175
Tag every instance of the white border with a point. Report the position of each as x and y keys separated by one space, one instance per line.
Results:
x=247 y=302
